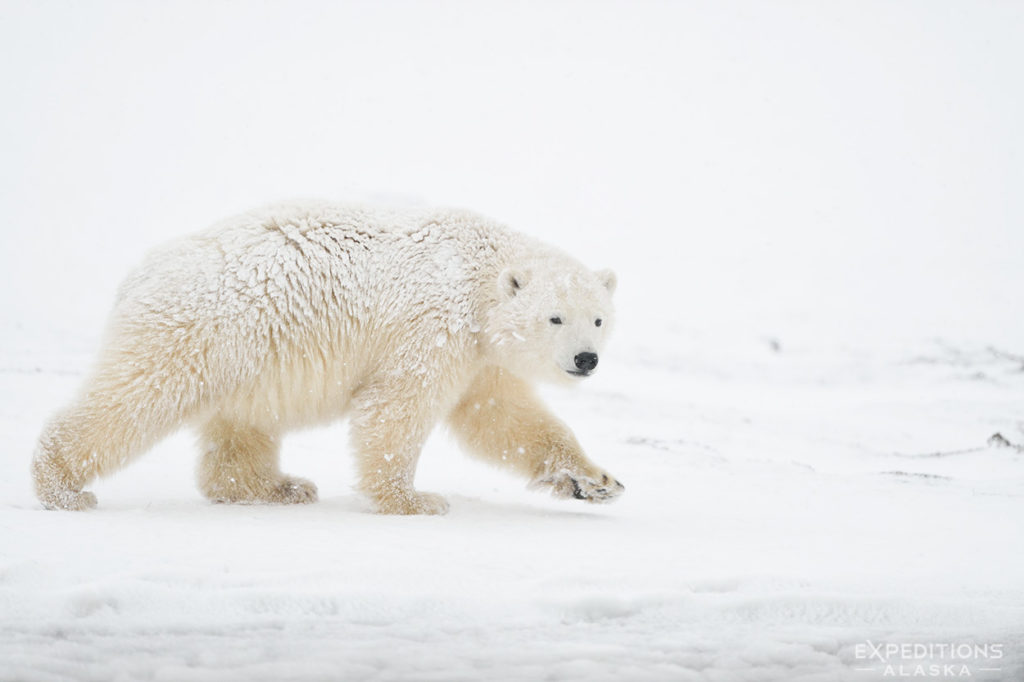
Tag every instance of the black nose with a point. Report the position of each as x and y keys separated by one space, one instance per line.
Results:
x=586 y=361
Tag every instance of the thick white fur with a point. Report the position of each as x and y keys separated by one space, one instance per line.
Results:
x=301 y=313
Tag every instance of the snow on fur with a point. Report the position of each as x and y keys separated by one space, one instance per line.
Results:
x=302 y=313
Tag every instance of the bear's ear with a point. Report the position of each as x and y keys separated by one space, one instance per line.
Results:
x=608 y=279
x=511 y=280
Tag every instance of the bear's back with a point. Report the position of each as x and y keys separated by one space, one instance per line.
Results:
x=281 y=295
x=296 y=254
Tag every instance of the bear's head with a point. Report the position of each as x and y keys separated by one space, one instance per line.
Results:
x=551 y=321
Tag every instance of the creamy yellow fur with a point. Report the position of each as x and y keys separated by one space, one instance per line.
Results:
x=499 y=418
x=301 y=314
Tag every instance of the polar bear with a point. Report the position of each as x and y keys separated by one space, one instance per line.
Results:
x=297 y=314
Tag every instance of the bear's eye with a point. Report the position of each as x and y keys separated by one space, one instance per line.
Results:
x=597 y=322
x=556 y=320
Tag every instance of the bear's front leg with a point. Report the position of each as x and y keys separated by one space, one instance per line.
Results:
x=390 y=425
x=500 y=419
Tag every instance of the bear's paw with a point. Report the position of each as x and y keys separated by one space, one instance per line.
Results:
x=296 y=491
x=70 y=500
x=598 y=487
x=413 y=502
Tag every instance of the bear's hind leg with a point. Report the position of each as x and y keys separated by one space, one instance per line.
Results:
x=61 y=466
x=105 y=429
x=240 y=465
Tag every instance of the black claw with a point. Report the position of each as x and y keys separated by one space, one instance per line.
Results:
x=576 y=491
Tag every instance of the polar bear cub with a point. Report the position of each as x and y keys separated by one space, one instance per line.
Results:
x=302 y=313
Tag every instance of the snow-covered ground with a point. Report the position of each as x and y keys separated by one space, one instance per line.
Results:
x=816 y=218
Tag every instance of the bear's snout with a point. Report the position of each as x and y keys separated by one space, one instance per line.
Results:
x=585 y=362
